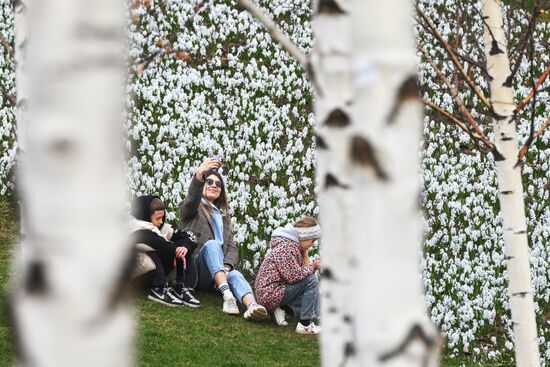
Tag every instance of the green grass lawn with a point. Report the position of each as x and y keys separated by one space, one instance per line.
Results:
x=184 y=336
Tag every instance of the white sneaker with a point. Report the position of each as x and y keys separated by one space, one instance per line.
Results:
x=256 y=312
x=279 y=316
x=230 y=306
x=311 y=329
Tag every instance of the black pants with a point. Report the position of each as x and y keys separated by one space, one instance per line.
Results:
x=165 y=263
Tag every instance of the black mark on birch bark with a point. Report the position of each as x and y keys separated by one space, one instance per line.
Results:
x=35 y=281
x=326 y=273
x=331 y=181
x=523 y=231
x=496 y=155
x=337 y=118
x=329 y=7
x=506 y=138
x=332 y=310
x=349 y=349
x=320 y=142
x=507 y=192
x=362 y=152
x=520 y=294
x=495 y=50
x=19 y=6
x=508 y=82
x=498 y=117
x=508 y=258
x=121 y=291
x=407 y=91
x=347 y=319
x=416 y=332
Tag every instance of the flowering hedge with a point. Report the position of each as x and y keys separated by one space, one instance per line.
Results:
x=206 y=80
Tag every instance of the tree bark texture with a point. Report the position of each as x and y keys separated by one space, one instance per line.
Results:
x=368 y=134
x=510 y=187
x=73 y=262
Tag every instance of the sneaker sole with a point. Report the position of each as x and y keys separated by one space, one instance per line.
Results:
x=192 y=305
x=164 y=303
x=257 y=314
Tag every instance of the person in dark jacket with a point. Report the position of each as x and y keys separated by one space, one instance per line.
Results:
x=164 y=246
x=204 y=212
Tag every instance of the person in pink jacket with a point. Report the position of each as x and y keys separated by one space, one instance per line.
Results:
x=287 y=279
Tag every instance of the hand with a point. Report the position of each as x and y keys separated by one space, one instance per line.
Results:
x=181 y=252
x=207 y=165
x=316 y=264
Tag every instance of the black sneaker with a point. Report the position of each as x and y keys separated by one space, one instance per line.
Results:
x=185 y=296
x=164 y=296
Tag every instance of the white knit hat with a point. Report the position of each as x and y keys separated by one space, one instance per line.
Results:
x=309 y=233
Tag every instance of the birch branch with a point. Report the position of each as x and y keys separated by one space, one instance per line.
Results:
x=532 y=138
x=433 y=30
x=276 y=33
x=539 y=82
x=462 y=108
x=445 y=113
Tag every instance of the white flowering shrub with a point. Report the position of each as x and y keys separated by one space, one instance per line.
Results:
x=220 y=87
x=464 y=261
x=228 y=92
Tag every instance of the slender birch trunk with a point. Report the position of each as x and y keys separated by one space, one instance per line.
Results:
x=331 y=61
x=363 y=70
x=72 y=265
x=510 y=187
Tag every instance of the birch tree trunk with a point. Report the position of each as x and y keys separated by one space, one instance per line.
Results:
x=72 y=265
x=510 y=187
x=332 y=65
x=369 y=124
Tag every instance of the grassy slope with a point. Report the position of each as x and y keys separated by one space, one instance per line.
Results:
x=184 y=336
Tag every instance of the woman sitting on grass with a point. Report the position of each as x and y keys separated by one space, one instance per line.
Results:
x=204 y=213
x=287 y=279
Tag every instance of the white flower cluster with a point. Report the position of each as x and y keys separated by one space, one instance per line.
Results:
x=229 y=92
x=464 y=262
x=220 y=87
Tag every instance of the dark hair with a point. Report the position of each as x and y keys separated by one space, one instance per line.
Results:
x=156 y=205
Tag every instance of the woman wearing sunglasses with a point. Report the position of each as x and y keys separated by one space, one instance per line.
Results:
x=205 y=213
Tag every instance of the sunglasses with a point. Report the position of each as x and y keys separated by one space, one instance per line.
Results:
x=218 y=184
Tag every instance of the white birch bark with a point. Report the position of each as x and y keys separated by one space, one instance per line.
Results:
x=70 y=269
x=368 y=173
x=363 y=70
x=331 y=61
x=510 y=188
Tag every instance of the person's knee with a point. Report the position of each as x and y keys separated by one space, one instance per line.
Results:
x=234 y=275
x=312 y=281
x=211 y=246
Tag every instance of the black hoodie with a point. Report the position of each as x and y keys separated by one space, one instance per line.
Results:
x=141 y=207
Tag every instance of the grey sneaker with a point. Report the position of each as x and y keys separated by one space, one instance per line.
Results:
x=279 y=316
x=230 y=306
x=256 y=312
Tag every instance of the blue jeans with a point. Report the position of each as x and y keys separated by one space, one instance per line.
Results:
x=209 y=262
x=303 y=297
